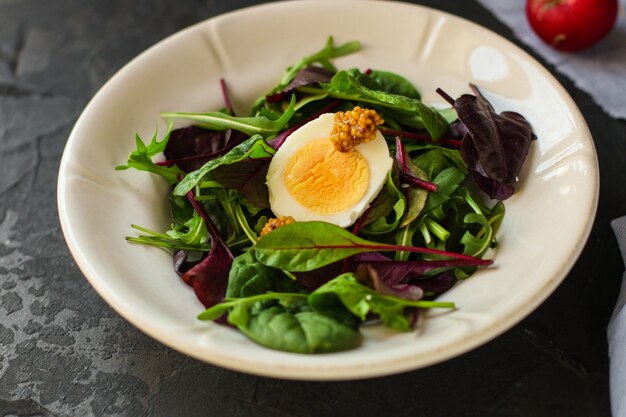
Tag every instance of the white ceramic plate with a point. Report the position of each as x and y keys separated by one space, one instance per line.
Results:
x=547 y=221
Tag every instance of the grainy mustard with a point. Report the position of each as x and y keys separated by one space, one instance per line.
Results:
x=354 y=127
x=273 y=224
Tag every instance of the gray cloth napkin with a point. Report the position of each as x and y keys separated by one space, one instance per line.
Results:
x=617 y=333
x=599 y=71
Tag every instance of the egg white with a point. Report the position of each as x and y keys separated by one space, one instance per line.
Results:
x=282 y=203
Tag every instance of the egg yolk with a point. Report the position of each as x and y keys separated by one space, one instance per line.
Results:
x=325 y=180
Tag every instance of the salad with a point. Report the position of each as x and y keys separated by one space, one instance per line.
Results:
x=342 y=201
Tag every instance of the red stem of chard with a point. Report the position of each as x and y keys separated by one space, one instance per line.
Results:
x=401 y=154
x=355 y=231
x=445 y=263
x=215 y=234
x=227 y=102
x=445 y=96
x=413 y=180
x=359 y=223
x=406 y=174
x=414 y=249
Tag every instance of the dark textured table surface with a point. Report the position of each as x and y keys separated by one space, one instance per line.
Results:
x=65 y=352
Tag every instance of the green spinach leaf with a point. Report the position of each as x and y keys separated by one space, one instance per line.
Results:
x=349 y=85
x=249 y=277
x=283 y=321
x=305 y=246
x=252 y=148
x=395 y=84
x=301 y=332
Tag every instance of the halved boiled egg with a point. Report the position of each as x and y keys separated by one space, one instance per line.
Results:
x=309 y=179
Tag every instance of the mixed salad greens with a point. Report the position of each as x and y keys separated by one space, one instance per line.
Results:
x=307 y=286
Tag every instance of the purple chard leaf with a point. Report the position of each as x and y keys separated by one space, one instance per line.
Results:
x=191 y=147
x=311 y=75
x=437 y=284
x=495 y=145
x=247 y=176
x=209 y=277
x=370 y=277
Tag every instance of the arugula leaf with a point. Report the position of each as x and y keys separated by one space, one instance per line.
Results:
x=447 y=182
x=141 y=158
x=253 y=148
x=188 y=230
x=432 y=162
x=323 y=57
x=194 y=231
x=361 y=300
x=440 y=153
x=163 y=240
x=404 y=237
x=478 y=243
x=258 y=125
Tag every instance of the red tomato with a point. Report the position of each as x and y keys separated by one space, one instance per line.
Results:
x=571 y=25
